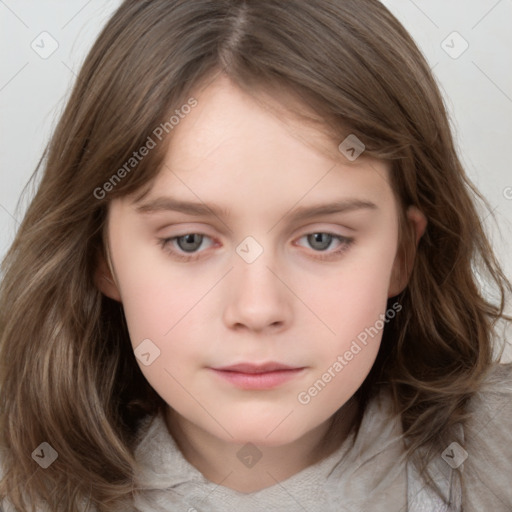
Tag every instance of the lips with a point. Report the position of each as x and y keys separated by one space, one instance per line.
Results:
x=250 y=376
x=256 y=368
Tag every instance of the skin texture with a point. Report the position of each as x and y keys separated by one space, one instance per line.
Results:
x=288 y=305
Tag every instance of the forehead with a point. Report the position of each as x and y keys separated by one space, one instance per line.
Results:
x=234 y=147
x=262 y=122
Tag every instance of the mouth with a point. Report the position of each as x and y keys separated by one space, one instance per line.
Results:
x=254 y=376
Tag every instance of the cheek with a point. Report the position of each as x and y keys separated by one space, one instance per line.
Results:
x=156 y=295
x=168 y=306
x=157 y=311
x=352 y=306
x=355 y=294
x=160 y=307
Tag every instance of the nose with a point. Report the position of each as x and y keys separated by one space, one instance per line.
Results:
x=258 y=298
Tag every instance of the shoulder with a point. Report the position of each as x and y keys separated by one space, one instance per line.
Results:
x=5 y=504
x=473 y=471
x=491 y=406
x=488 y=448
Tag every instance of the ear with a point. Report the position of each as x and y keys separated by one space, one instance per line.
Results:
x=416 y=223
x=104 y=278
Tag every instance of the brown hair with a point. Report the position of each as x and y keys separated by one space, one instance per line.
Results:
x=68 y=375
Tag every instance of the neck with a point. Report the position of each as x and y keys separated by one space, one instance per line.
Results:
x=219 y=462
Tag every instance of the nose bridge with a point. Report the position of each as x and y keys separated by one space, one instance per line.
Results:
x=253 y=276
x=258 y=298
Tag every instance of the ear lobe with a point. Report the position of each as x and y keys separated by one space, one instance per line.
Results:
x=104 y=279
x=404 y=261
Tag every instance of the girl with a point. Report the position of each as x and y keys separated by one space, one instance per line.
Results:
x=325 y=346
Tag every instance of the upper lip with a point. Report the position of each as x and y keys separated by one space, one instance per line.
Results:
x=256 y=368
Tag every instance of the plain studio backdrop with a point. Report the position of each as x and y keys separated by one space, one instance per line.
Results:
x=467 y=43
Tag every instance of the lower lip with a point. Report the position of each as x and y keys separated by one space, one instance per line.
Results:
x=266 y=380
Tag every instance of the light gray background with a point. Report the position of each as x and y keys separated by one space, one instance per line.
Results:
x=477 y=86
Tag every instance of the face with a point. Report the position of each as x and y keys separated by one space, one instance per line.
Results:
x=252 y=275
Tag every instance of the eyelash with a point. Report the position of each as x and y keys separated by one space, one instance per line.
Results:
x=190 y=257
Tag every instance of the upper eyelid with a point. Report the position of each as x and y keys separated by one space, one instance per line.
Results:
x=308 y=229
x=310 y=232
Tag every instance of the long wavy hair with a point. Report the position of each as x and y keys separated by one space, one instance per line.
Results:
x=68 y=375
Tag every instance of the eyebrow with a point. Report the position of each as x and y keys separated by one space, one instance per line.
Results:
x=160 y=204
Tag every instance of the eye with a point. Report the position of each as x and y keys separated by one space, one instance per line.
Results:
x=187 y=244
x=321 y=241
x=186 y=247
